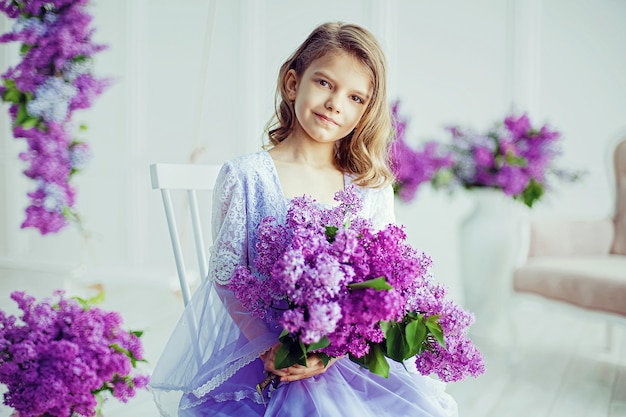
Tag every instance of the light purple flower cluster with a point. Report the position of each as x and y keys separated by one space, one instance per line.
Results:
x=53 y=79
x=513 y=156
x=63 y=355
x=317 y=272
x=411 y=168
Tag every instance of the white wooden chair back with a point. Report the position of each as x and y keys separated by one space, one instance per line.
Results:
x=191 y=178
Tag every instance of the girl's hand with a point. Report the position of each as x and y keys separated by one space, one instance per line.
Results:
x=268 y=361
x=315 y=366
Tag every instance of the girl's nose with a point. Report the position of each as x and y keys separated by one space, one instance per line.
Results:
x=331 y=104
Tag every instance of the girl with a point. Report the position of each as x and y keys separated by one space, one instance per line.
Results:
x=332 y=127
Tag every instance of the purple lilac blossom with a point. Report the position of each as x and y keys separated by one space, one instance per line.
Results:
x=411 y=168
x=53 y=79
x=59 y=346
x=51 y=100
x=306 y=276
x=512 y=156
x=80 y=156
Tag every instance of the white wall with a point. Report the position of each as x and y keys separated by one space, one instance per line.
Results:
x=451 y=61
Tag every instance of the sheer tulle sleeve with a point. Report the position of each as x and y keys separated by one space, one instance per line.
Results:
x=382 y=207
x=215 y=337
x=229 y=248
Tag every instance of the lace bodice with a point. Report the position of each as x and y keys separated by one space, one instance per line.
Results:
x=247 y=190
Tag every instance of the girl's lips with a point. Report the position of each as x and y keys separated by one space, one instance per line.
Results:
x=325 y=119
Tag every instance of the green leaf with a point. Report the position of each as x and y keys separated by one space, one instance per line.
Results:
x=96 y=299
x=435 y=329
x=25 y=48
x=385 y=325
x=533 y=132
x=379 y=283
x=321 y=344
x=532 y=192
x=120 y=349
x=511 y=159
x=331 y=232
x=99 y=402
x=324 y=357
x=87 y=303
x=374 y=361
x=12 y=95
x=283 y=335
x=83 y=303
x=302 y=349
x=377 y=362
x=67 y=212
x=30 y=122
x=416 y=332
x=21 y=115
x=442 y=178
x=137 y=333
x=289 y=354
x=396 y=344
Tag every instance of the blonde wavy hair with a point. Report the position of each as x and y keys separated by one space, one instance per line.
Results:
x=364 y=151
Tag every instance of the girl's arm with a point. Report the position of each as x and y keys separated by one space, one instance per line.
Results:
x=230 y=247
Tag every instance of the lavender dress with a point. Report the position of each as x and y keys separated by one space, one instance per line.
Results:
x=210 y=365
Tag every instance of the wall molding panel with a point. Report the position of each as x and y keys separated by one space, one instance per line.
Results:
x=136 y=121
x=525 y=56
x=384 y=17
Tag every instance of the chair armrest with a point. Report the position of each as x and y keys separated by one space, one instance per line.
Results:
x=570 y=238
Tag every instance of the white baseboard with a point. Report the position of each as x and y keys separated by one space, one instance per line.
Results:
x=89 y=274
x=53 y=268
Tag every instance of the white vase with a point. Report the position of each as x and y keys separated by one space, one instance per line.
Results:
x=489 y=246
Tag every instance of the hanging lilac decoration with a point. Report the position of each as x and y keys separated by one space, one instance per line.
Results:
x=53 y=79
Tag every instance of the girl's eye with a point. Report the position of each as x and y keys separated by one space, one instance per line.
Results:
x=323 y=83
x=357 y=99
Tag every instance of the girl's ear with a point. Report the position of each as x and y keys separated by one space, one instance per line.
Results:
x=291 y=84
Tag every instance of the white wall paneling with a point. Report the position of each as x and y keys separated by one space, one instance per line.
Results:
x=525 y=56
x=253 y=70
x=136 y=136
x=583 y=80
x=191 y=86
x=383 y=17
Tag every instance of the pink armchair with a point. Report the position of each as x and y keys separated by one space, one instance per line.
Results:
x=581 y=263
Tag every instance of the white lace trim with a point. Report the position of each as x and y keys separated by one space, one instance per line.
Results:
x=218 y=380
x=238 y=396
x=232 y=396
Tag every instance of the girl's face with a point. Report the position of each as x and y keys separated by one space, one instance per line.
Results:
x=330 y=97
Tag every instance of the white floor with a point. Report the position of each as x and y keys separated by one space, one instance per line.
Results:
x=559 y=368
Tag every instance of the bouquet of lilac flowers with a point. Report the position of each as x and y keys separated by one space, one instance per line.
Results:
x=412 y=168
x=339 y=287
x=65 y=355
x=513 y=156
x=53 y=79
